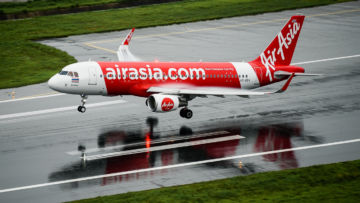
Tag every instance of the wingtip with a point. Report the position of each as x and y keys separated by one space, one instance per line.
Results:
x=128 y=37
x=286 y=85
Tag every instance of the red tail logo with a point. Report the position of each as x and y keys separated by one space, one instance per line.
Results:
x=167 y=104
x=281 y=49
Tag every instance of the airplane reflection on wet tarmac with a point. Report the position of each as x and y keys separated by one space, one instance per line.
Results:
x=258 y=138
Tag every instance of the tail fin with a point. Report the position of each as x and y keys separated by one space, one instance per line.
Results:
x=281 y=49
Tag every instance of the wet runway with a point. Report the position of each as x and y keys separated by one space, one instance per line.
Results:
x=130 y=148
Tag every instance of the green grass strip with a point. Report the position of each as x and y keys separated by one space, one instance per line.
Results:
x=39 y=5
x=25 y=62
x=339 y=182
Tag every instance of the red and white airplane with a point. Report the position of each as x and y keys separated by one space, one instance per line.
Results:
x=171 y=85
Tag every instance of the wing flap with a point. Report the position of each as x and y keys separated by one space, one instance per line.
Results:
x=203 y=91
x=283 y=73
x=215 y=91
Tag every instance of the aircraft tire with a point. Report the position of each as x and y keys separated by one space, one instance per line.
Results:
x=82 y=109
x=182 y=112
x=188 y=114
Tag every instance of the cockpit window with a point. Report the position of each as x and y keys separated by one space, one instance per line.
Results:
x=63 y=72
x=70 y=74
x=76 y=74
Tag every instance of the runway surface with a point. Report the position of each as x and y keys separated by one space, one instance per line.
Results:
x=130 y=148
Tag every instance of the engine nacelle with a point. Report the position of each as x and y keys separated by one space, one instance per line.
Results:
x=164 y=103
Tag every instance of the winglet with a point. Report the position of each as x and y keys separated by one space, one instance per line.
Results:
x=128 y=37
x=123 y=52
x=286 y=85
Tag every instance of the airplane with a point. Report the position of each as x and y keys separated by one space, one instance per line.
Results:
x=171 y=85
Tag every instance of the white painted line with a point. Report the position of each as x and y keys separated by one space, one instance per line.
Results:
x=164 y=147
x=171 y=139
x=46 y=111
x=32 y=97
x=177 y=165
x=324 y=60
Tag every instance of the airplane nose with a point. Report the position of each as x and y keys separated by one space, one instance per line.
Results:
x=54 y=83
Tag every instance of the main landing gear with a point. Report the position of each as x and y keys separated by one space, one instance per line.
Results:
x=82 y=108
x=186 y=113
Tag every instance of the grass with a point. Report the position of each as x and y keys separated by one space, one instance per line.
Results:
x=39 y=5
x=339 y=182
x=26 y=62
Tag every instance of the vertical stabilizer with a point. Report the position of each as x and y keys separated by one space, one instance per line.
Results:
x=279 y=52
x=281 y=49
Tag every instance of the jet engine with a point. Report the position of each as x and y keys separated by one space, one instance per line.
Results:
x=164 y=103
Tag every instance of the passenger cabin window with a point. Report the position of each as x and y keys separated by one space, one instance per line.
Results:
x=70 y=74
x=76 y=74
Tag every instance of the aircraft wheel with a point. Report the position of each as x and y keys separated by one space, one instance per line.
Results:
x=188 y=113
x=182 y=112
x=82 y=109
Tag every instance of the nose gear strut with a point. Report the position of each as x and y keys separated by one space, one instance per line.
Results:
x=82 y=108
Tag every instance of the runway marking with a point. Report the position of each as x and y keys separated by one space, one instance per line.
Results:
x=177 y=165
x=54 y=110
x=164 y=147
x=170 y=139
x=97 y=47
x=328 y=59
x=39 y=96
x=91 y=43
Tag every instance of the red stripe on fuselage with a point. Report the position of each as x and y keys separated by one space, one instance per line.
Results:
x=120 y=77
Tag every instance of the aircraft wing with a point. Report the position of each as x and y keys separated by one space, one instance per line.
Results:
x=284 y=73
x=123 y=52
x=204 y=91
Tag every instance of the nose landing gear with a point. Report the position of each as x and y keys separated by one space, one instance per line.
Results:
x=82 y=108
x=186 y=113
